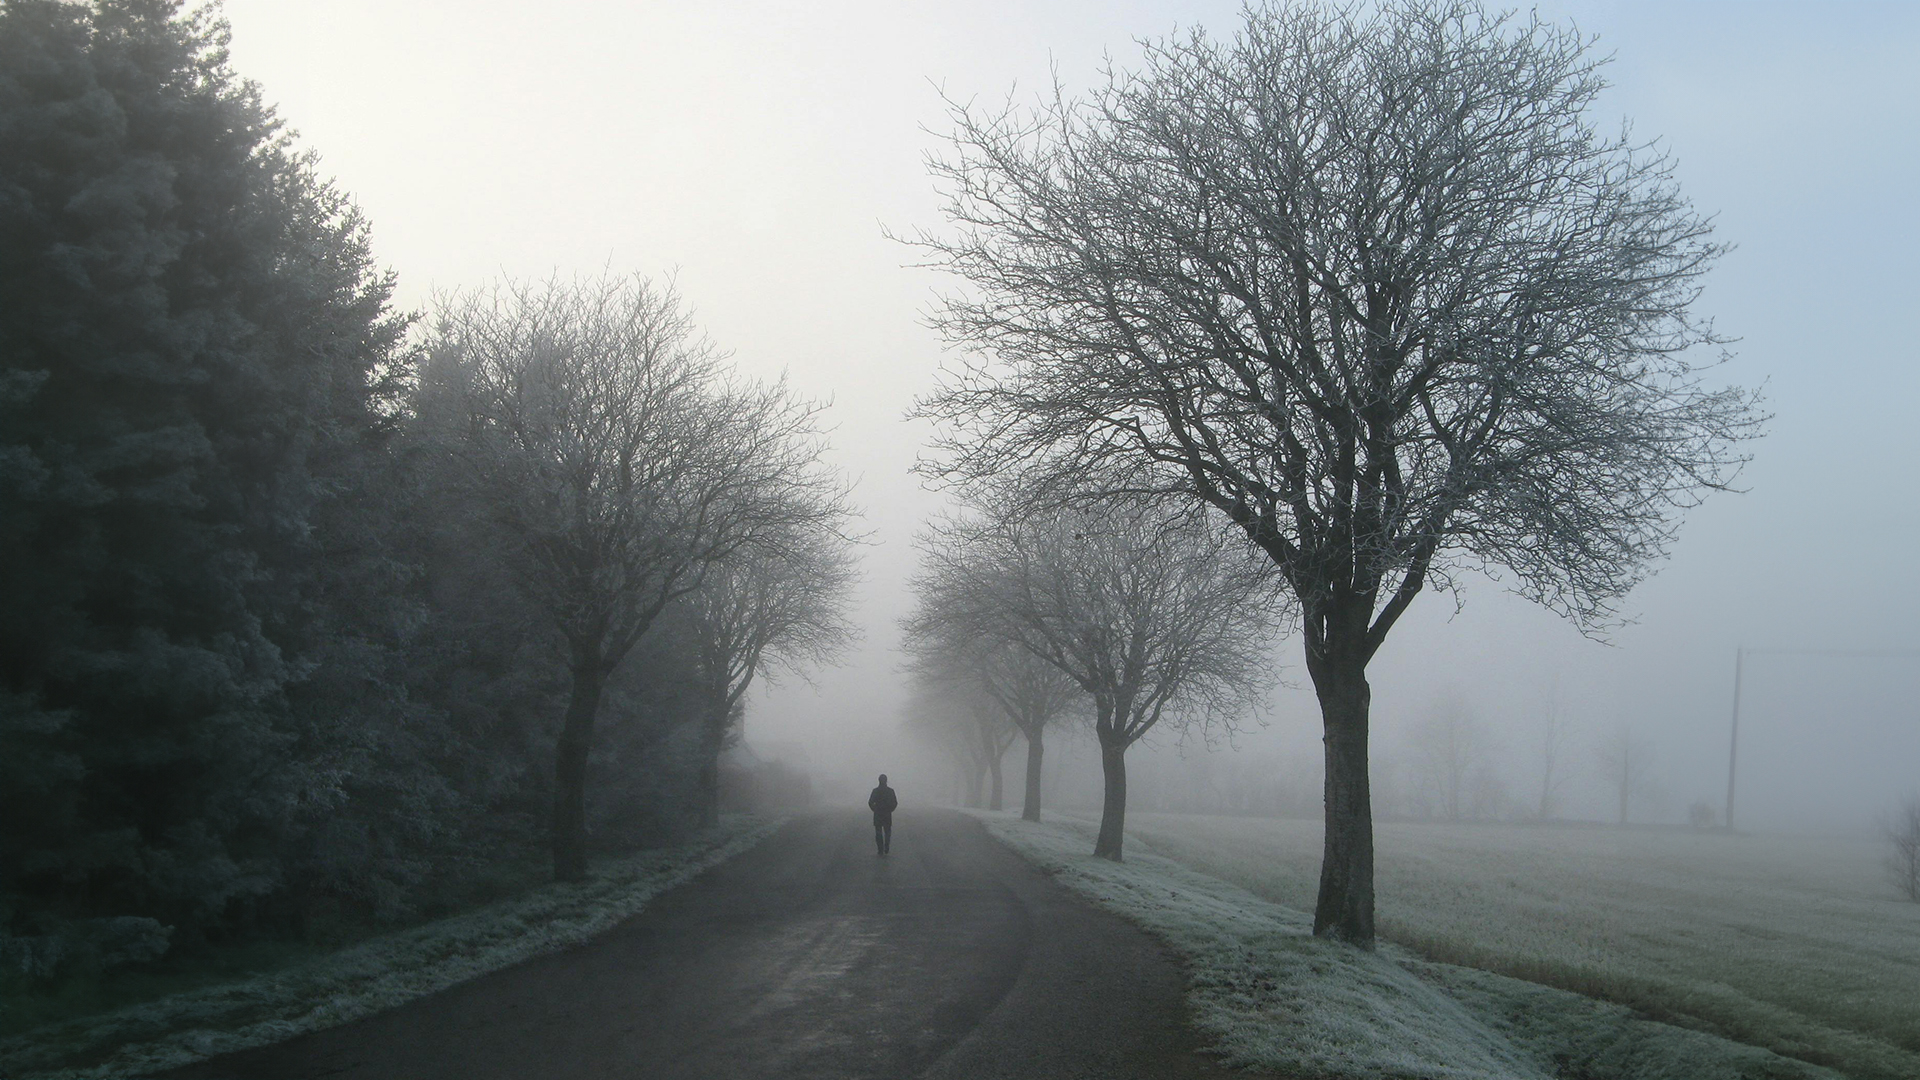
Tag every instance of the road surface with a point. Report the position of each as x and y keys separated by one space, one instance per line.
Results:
x=808 y=956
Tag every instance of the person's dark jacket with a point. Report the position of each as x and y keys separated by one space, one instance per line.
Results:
x=882 y=803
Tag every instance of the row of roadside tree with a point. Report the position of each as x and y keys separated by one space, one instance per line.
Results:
x=308 y=604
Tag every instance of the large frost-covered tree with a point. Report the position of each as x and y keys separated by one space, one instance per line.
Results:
x=1367 y=281
x=619 y=461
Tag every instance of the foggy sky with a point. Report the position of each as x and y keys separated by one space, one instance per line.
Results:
x=757 y=150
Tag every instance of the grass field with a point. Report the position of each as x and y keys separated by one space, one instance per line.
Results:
x=1268 y=994
x=1794 y=944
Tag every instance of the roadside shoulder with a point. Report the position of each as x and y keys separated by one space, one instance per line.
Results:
x=1272 y=996
x=374 y=975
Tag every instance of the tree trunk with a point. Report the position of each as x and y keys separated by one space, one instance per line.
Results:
x=709 y=790
x=993 y=768
x=976 y=780
x=1113 y=809
x=712 y=735
x=1345 y=907
x=570 y=773
x=1031 y=811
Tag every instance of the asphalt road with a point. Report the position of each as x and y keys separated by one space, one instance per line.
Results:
x=808 y=956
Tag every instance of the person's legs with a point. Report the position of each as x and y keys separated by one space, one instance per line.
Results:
x=879 y=838
x=886 y=837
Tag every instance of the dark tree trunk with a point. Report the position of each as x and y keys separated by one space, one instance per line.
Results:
x=1113 y=809
x=993 y=768
x=1031 y=810
x=976 y=780
x=1345 y=907
x=709 y=789
x=712 y=735
x=570 y=773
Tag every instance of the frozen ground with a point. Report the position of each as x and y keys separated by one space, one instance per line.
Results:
x=1273 y=996
x=1793 y=943
x=369 y=977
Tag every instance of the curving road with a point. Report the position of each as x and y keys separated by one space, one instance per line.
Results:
x=806 y=957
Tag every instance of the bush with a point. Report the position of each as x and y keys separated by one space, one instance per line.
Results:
x=85 y=945
x=765 y=786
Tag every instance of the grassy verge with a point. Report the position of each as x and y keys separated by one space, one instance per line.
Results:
x=366 y=978
x=328 y=928
x=1791 y=943
x=1270 y=995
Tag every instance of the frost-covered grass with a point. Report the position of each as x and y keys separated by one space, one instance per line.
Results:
x=369 y=977
x=1792 y=943
x=1270 y=995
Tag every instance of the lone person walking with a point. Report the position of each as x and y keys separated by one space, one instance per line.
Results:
x=882 y=802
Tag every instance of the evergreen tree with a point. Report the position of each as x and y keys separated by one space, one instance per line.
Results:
x=198 y=365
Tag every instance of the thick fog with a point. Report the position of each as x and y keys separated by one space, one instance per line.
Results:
x=758 y=152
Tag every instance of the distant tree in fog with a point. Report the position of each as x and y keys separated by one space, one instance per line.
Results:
x=1366 y=280
x=1627 y=763
x=619 y=462
x=1555 y=728
x=934 y=721
x=1152 y=616
x=1032 y=693
x=950 y=708
x=1450 y=759
x=1902 y=833
x=781 y=604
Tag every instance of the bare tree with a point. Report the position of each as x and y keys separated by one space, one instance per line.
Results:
x=1902 y=832
x=1366 y=280
x=993 y=735
x=773 y=605
x=1032 y=693
x=951 y=708
x=1151 y=616
x=619 y=460
x=1556 y=726
x=1450 y=752
x=1627 y=763
x=931 y=719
